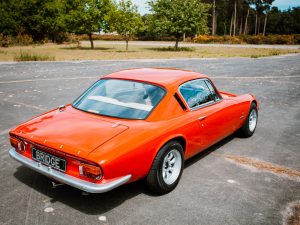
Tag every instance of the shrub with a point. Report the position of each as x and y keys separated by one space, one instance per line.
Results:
x=297 y=39
x=249 y=39
x=23 y=39
x=27 y=56
x=7 y=40
x=103 y=37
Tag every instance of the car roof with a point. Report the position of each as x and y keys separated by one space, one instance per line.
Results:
x=160 y=76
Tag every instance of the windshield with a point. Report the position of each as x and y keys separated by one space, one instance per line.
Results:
x=120 y=98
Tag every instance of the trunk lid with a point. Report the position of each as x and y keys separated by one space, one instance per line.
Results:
x=70 y=131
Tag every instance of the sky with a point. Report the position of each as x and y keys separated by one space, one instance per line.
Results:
x=281 y=4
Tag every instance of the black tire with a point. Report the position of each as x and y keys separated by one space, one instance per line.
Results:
x=155 y=180
x=245 y=130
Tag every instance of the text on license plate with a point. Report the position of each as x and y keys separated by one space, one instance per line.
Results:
x=49 y=160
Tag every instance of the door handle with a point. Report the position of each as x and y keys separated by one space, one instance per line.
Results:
x=202 y=118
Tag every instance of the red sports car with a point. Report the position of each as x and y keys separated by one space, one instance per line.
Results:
x=130 y=125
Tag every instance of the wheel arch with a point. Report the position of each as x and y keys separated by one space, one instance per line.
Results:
x=254 y=100
x=181 y=141
x=180 y=138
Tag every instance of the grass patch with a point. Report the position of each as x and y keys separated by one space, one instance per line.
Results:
x=274 y=52
x=256 y=56
x=172 y=49
x=27 y=56
x=271 y=52
x=140 y=50
x=87 y=48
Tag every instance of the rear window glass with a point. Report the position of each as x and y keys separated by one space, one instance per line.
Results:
x=120 y=98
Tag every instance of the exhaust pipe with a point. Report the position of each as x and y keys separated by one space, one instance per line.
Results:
x=56 y=184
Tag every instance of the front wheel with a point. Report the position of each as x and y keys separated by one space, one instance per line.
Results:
x=248 y=128
x=166 y=169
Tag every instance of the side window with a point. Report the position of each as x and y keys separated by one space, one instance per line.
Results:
x=216 y=97
x=196 y=92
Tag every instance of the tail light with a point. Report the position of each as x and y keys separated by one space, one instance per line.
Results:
x=14 y=142
x=18 y=144
x=90 y=171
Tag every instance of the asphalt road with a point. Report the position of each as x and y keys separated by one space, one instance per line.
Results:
x=191 y=44
x=213 y=189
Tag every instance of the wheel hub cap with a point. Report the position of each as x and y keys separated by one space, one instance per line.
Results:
x=171 y=166
x=252 y=120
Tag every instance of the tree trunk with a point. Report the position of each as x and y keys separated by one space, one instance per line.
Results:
x=246 y=22
x=183 y=37
x=265 y=24
x=255 y=32
x=127 y=43
x=176 y=43
x=216 y=23
x=224 y=28
x=231 y=21
x=214 y=18
x=258 y=28
x=241 y=26
x=91 y=40
x=127 y=37
x=234 y=23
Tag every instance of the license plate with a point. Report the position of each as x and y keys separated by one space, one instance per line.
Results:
x=49 y=160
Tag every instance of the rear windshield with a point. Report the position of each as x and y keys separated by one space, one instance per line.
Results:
x=120 y=98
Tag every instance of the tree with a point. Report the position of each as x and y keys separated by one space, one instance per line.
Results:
x=86 y=16
x=246 y=21
x=10 y=17
x=256 y=4
x=125 y=19
x=214 y=23
x=266 y=6
x=284 y=22
x=234 y=20
x=37 y=18
x=176 y=17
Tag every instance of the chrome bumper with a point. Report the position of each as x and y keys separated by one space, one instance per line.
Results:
x=67 y=179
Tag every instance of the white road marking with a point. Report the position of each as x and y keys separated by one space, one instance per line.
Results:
x=231 y=181
x=46 y=79
x=24 y=104
x=78 y=78
x=102 y=218
x=263 y=77
x=48 y=209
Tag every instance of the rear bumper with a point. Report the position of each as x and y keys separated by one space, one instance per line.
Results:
x=67 y=179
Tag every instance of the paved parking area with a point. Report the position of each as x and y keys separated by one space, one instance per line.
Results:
x=238 y=181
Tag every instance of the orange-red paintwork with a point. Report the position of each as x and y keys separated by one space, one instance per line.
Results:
x=130 y=147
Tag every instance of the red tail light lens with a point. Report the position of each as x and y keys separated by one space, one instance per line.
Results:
x=17 y=144
x=90 y=171
x=14 y=142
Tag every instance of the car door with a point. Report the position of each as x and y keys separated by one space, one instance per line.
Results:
x=214 y=115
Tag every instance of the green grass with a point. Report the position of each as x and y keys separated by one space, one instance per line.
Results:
x=27 y=56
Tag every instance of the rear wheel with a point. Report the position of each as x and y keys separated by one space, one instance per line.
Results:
x=248 y=128
x=166 y=169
